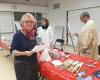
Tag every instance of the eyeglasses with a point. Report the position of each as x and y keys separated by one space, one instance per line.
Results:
x=28 y=22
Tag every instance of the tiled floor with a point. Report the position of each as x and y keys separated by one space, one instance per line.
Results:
x=7 y=68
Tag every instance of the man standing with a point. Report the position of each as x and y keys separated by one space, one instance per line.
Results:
x=87 y=44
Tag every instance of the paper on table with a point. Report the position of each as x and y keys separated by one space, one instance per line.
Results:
x=56 y=62
x=77 y=67
x=38 y=48
x=45 y=55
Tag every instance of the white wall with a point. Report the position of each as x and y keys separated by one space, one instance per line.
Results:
x=4 y=7
x=7 y=9
x=22 y=8
x=58 y=16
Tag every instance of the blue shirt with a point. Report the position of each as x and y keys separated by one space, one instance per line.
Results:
x=21 y=43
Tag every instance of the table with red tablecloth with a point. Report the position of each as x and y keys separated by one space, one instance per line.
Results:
x=52 y=72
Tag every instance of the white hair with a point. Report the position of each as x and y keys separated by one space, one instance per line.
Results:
x=28 y=15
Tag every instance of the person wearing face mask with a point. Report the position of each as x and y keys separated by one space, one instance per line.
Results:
x=45 y=32
x=25 y=60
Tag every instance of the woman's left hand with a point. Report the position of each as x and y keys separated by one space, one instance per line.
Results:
x=28 y=53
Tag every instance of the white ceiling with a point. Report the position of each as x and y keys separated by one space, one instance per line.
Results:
x=41 y=3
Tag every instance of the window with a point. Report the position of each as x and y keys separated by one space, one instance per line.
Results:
x=38 y=18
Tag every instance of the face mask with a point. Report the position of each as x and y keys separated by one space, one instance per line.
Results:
x=44 y=27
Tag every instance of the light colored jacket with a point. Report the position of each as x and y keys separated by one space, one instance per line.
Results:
x=88 y=39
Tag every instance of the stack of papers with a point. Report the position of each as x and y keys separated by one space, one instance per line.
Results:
x=56 y=62
x=45 y=55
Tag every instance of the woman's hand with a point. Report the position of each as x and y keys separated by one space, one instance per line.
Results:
x=84 y=50
x=28 y=53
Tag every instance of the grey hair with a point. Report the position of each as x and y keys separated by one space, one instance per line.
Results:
x=85 y=14
x=28 y=15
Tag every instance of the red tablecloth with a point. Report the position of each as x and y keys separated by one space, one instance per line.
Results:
x=55 y=73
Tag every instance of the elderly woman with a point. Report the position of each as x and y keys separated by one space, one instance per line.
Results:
x=25 y=60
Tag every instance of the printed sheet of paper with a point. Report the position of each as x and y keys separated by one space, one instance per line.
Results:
x=56 y=62
x=38 y=48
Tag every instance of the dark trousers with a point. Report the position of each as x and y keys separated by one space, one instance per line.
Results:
x=26 y=71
